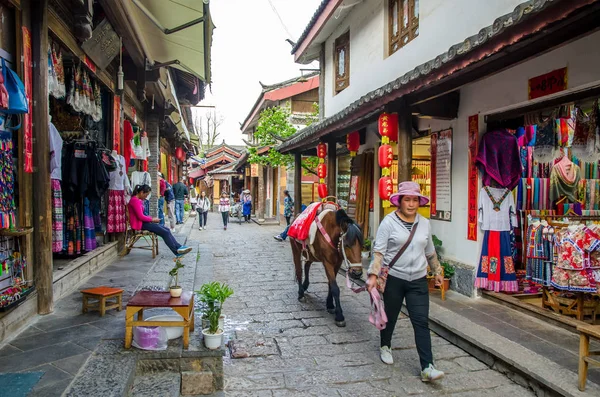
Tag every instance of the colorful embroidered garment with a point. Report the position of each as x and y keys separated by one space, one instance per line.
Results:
x=499 y=159
x=496 y=270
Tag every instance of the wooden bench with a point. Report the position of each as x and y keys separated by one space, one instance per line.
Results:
x=184 y=306
x=585 y=355
x=101 y=296
x=132 y=237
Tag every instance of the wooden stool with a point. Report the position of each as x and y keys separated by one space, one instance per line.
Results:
x=585 y=332
x=101 y=295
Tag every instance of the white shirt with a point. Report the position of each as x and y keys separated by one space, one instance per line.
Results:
x=118 y=178
x=141 y=178
x=496 y=220
x=56 y=144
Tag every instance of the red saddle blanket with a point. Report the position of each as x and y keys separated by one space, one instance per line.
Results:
x=301 y=226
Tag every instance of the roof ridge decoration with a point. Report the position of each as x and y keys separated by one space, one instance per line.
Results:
x=522 y=11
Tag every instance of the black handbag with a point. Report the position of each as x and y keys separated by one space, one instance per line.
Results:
x=110 y=163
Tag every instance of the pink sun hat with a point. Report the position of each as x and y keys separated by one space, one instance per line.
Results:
x=408 y=189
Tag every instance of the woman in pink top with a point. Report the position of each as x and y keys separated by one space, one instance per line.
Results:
x=139 y=221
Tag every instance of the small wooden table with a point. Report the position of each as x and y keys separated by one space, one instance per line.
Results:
x=184 y=306
x=585 y=332
x=101 y=295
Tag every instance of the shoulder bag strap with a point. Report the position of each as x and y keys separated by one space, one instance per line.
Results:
x=405 y=246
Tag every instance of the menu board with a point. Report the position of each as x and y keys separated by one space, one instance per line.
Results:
x=441 y=175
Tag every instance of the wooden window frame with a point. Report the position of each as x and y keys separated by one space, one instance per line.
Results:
x=405 y=34
x=341 y=43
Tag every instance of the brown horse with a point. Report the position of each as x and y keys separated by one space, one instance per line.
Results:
x=346 y=246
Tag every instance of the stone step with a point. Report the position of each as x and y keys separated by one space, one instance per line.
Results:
x=166 y=384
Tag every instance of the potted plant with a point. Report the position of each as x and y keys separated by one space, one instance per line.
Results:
x=213 y=295
x=366 y=250
x=176 y=289
x=448 y=268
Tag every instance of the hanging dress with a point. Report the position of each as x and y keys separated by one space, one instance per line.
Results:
x=119 y=182
x=56 y=144
x=496 y=271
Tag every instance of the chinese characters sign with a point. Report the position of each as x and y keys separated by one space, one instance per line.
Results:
x=27 y=124
x=441 y=175
x=549 y=83
x=473 y=179
x=104 y=45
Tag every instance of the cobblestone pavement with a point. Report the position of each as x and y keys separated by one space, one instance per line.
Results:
x=289 y=348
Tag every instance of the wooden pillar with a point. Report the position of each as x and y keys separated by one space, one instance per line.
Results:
x=404 y=143
x=298 y=183
x=260 y=202
x=331 y=168
x=42 y=204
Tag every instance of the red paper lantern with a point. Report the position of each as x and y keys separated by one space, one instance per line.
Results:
x=191 y=181
x=322 y=170
x=388 y=126
x=386 y=187
x=321 y=150
x=386 y=156
x=180 y=154
x=323 y=191
x=353 y=142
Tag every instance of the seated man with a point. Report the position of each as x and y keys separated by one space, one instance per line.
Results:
x=139 y=221
x=283 y=235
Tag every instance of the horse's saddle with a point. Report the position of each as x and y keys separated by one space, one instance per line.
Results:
x=304 y=227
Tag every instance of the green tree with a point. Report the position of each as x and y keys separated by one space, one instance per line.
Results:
x=273 y=127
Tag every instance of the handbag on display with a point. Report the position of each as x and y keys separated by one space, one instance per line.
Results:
x=17 y=99
x=3 y=93
x=383 y=273
x=110 y=163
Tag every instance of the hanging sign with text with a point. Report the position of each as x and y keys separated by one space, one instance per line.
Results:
x=473 y=179
x=441 y=175
x=547 y=84
x=27 y=117
x=103 y=46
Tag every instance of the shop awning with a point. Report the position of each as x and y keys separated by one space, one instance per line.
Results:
x=175 y=32
x=171 y=96
x=197 y=173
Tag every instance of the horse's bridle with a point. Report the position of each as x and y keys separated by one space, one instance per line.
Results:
x=341 y=248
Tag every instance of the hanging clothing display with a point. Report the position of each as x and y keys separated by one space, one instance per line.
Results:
x=7 y=182
x=577 y=267
x=127 y=137
x=497 y=214
x=499 y=159
x=119 y=183
x=564 y=181
x=540 y=254
x=56 y=145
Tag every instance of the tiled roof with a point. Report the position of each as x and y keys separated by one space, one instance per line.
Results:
x=521 y=13
x=310 y=25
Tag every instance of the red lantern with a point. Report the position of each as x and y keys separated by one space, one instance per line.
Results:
x=180 y=154
x=386 y=187
x=192 y=181
x=322 y=170
x=321 y=150
x=353 y=142
x=322 y=189
x=388 y=126
x=386 y=156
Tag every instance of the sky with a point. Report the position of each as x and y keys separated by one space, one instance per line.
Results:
x=249 y=46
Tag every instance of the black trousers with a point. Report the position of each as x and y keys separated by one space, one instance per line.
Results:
x=202 y=218
x=225 y=215
x=416 y=294
x=288 y=220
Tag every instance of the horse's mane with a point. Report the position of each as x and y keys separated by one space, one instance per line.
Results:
x=353 y=232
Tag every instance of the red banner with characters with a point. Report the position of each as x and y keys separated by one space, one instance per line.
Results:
x=473 y=178
x=432 y=201
x=27 y=122
x=117 y=123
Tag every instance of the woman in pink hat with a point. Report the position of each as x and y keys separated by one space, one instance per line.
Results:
x=404 y=245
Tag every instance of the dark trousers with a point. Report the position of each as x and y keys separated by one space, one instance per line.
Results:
x=225 y=215
x=416 y=294
x=163 y=232
x=202 y=216
x=288 y=220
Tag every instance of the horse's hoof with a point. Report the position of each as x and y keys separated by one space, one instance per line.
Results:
x=331 y=311
x=340 y=323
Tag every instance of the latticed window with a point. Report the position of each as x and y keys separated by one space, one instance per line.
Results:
x=403 y=23
x=342 y=62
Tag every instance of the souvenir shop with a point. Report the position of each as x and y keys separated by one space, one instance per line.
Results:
x=539 y=207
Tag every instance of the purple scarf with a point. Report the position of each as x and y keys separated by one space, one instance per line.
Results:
x=499 y=159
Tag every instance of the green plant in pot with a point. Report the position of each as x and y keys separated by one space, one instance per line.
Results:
x=448 y=268
x=366 y=250
x=176 y=289
x=213 y=295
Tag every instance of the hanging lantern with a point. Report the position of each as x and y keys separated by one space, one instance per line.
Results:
x=322 y=170
x=386 y=156
x=386 y=188
x=191 y=181
x=388 y=127
x=353 y=142
x=323 y=191
x=179 y=153
x=322 y=150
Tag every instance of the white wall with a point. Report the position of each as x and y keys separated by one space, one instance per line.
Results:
x=499 y=92
x=442 y=23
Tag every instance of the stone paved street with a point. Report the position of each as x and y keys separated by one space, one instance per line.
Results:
x=292 y=348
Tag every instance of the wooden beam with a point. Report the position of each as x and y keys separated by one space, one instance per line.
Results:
x=444 y=107
x=297 y=183
x=404 y=142
x=331 y=167
x=42 y=205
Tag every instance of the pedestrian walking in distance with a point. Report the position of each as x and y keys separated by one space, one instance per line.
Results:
x=139 y=221
x=181 y=192
x=224 y=207
x=203 y=207
x=288 y=212
x=170 y=200
x=246 y=205
x=407 y=233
